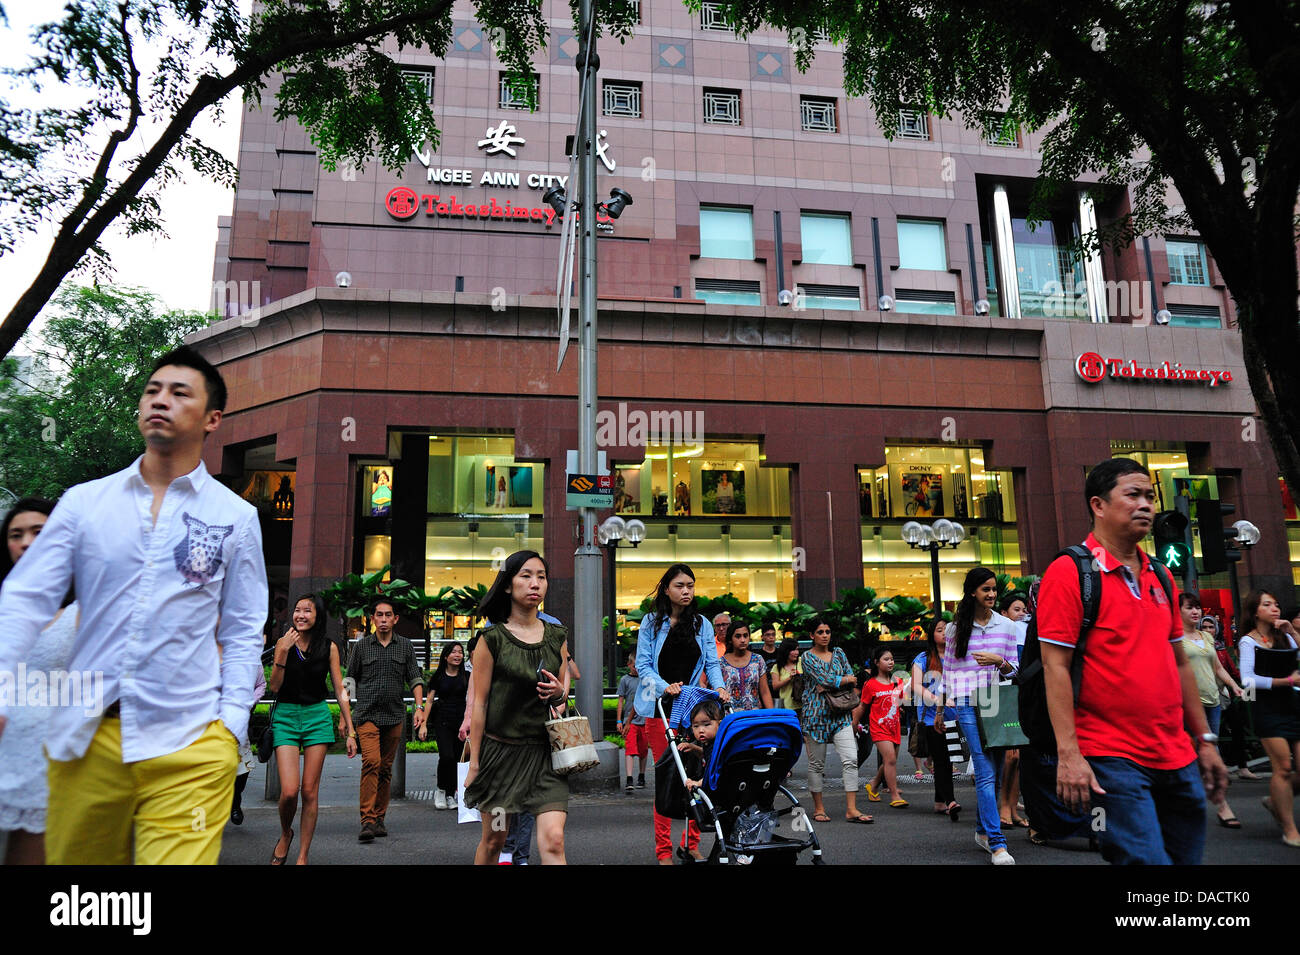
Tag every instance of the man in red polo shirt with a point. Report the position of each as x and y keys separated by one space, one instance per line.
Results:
x=1137 y=744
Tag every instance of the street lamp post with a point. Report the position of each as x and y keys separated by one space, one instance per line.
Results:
x=933 y=537
x=1247 y=537
x=613 y=530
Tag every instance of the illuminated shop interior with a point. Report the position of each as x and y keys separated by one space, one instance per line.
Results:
x=924 y=483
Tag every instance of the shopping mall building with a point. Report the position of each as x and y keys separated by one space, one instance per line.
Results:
x=936 y=357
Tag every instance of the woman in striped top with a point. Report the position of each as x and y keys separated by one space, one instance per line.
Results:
x=980 y=651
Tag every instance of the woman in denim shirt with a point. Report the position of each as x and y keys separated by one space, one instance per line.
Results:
x=674 y=649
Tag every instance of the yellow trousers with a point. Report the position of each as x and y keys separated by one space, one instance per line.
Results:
x=169 y=810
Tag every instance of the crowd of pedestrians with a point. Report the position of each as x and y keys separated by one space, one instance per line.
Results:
x=165 y=627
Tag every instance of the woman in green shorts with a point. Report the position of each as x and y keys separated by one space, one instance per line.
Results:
x=302 y=719
x=516 y=661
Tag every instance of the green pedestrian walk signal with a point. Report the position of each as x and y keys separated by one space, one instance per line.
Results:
x=1175 y=556
x=1169 y=530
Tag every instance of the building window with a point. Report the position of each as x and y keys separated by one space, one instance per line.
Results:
x=481 y=503
x=913 y=124
x=714 y=503
x=728 y=292
x=924 y=483
x=712 y=18
x=622 y=98
x=726 y=233
x=1004 y=133
x=825 y=239
x=636 y=9
x=422 y=80
x=1186 y=262
x=921 y=245
x=1195 y=316
x=818 y=114
x=513 y=90
x=920 y=302
x=843 y=297
x=722 y=107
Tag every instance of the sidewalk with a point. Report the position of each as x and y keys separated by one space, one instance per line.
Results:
x=341 y=779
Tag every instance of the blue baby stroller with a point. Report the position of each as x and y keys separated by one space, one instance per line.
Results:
x=751 y=756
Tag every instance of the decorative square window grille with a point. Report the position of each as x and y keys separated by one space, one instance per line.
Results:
x=913 y=124
x=1003 y=134
x=712 y=18
x=421 y=80
x=722 y=107
x=622 y=98
x=818 y=114
x=513 y=95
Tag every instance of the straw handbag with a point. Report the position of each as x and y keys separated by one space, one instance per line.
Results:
x=572 y=750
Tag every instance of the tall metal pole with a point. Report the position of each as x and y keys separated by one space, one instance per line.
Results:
x=934 y=579
x=587 y=559
x=611 y=611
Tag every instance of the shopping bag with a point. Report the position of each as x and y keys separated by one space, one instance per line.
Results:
x=463 y=812
x=997 y=712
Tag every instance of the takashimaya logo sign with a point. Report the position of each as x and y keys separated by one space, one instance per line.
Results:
x=403 y=202
x=1093 y=368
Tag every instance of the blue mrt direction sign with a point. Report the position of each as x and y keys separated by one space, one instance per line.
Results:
x=589 y=490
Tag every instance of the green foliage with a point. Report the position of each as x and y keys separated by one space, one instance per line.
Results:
x=1014 y=585
x=100 y=152
x=900 y=614
x=79 y=420
x=790 y=618
x=729 y=603
x=851 y=614
x=465 y=600
x=1144 y=94
x=350 y=597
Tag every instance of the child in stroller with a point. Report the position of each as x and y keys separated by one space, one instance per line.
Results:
x=744 y=759
x=706 y=717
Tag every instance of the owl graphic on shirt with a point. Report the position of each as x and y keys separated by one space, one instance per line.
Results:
x=198 y=557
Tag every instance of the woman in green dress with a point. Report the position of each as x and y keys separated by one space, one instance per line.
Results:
x=514 y=689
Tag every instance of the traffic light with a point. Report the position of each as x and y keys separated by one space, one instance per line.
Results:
x=1169 y=530
x=1217 y=550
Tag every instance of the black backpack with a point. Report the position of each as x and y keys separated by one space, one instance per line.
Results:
x=1035 y=721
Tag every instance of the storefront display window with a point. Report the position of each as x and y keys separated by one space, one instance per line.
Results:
x=713 y=505
x=925 y=483
x=482 y=506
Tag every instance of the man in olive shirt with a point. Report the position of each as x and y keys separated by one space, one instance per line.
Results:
x=382 y=665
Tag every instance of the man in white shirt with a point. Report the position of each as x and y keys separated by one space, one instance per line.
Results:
x=164 y=559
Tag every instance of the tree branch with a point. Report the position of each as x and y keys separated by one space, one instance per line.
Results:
x=99 y=178
x=69 y=247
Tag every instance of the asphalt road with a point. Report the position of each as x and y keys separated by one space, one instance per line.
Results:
x=616 y=829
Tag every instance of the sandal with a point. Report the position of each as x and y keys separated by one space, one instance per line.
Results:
x=821 y=817
x=860 y=820
x=1230 y=823
x=872 y=794
x=280 y=860
x=954 y=810
x=1021 y=822
x=1037 y=838
x=899 y=804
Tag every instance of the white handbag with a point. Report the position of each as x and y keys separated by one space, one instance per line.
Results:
x=572 y=749
x=463 y=812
